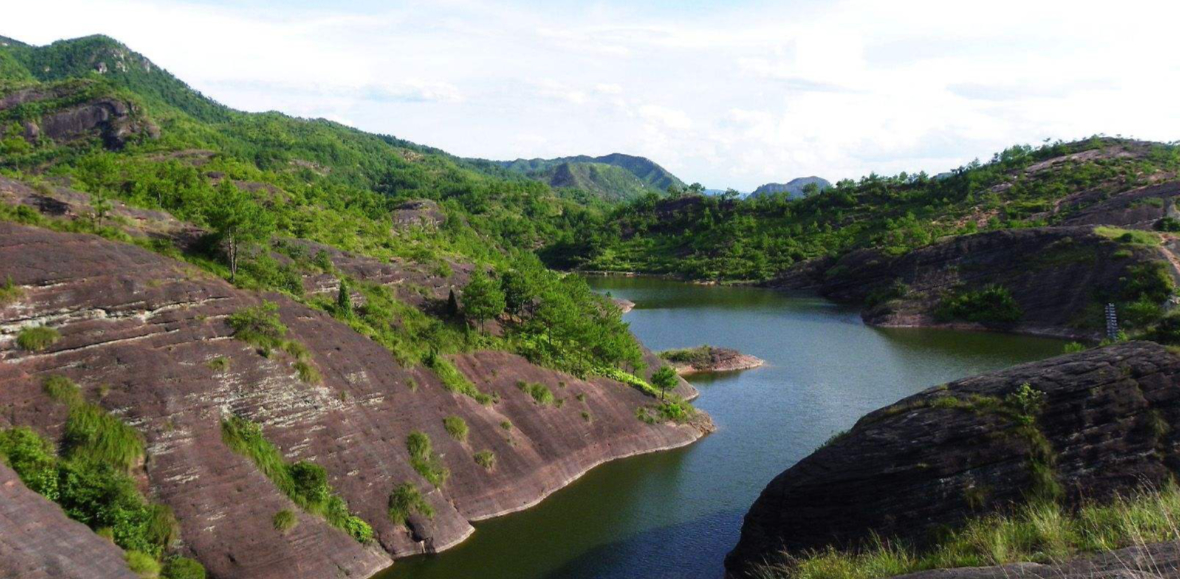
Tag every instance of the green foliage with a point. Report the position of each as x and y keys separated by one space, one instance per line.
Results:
x=285 y=520
x=406 y=500
x=1027 y=402
x=992 y=304
x=238 y=221
x=259 y=325
x=307 y=373
x=182 y=568
x=305 y=483
x=93 y=434
x=456 y=427
x=1039 y=532
x=665 y=379
x=96 y=493
x=1146 y=281
x=424 y=460
x=142 y=564
x=482 y=298
x=10 y=292
x=540 y=393
x=1074 y=347
x=218 y=364
x=486 y=459
x=454 y=380
x=1129 y=236
x=36 y=338
x=1168 y=224
x=344 y=300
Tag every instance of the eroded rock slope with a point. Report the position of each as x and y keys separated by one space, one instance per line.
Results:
x=140 y=334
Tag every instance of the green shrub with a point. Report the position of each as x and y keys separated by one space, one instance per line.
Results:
x=506 y=425
x=142 y=564
x=586 y=416
x=1074 y=347
x=10 y=292
x=540 y=393
x=36 y=338
x=1167 y=331
x=456 y=427
x=183 y=568
x=1146 y=281
x=991 y=304
x=486 y=459
x=423 y=459
x=259 y=325
x=406 y=500
x=285 y=520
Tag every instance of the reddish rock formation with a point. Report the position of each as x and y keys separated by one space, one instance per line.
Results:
x=138 y=332
x=908 y=469
x=38 y=541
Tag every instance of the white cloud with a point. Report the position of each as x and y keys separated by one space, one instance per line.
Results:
x=731 y=95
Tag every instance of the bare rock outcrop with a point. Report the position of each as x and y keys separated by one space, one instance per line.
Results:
x=38 y=541
x=702 y=359
x=140 y=334
x=956 y=451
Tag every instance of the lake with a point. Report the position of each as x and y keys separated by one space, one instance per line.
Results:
x=674 y=515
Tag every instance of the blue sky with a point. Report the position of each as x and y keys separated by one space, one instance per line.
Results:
x=730 y=94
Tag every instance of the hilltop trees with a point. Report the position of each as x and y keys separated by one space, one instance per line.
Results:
x=238 y=220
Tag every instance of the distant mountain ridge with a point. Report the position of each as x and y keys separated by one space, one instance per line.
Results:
x=613 y=177
x=794 y=187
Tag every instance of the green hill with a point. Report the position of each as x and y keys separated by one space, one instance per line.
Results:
x=612 y=178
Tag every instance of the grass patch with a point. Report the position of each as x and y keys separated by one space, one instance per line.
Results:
x=424 y=460
x=406 y=500
x=183 y=568
x=486 y=459
x=506 y=425
x=10 y=292
x=36 y=338
x=454 y=380
x=91 y=432
x=259 y=325
x=308 y=374
x=142 y=564
x=218 y=364
x=1040 y=532
x=540 y=393
x=586 y=416
x=1129 y=236
x=698 y=357
x=456 y=427
x=285 y=520
x=304 y=482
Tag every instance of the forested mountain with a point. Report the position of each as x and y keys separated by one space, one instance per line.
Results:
x=614 y=177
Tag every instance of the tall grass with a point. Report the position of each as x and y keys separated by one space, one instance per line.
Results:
x=454 y=380
x=456 y=427
x=91 y=432
x=1041 y=532
x=10 y=292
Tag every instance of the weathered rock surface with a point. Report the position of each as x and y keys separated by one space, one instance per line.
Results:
x=1053 y=273
x=138 y=332
x=928 y=461
x=1160 y=560
x=38 y=541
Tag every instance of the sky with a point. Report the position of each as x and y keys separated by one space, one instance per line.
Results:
x=728 y=94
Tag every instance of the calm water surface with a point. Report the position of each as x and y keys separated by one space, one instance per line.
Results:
x=675 y=514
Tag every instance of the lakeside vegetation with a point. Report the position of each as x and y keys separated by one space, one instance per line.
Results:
x=1041 y=532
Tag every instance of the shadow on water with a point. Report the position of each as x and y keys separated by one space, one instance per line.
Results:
x=695 y=558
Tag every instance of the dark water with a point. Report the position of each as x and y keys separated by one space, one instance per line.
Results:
x=675 y=514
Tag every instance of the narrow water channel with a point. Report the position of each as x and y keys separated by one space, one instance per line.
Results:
x=674 y=515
